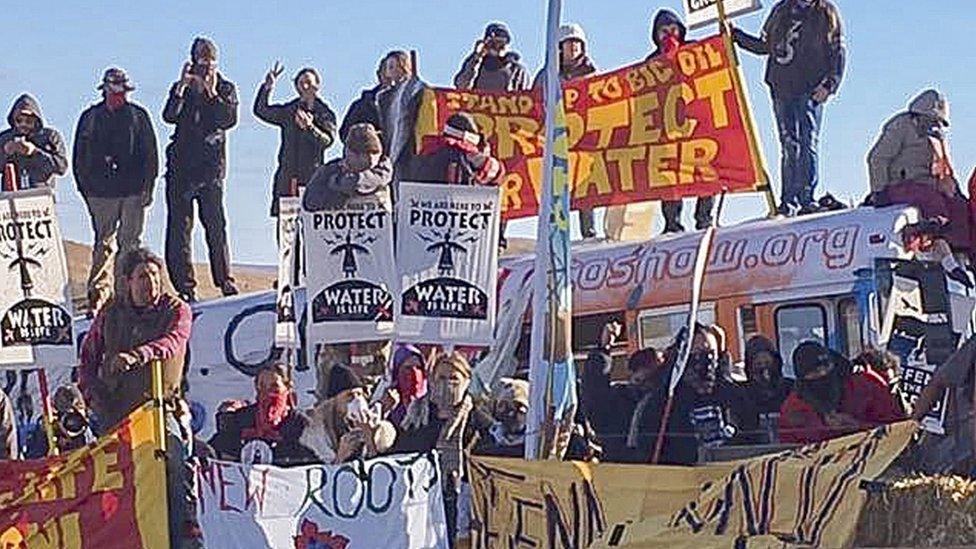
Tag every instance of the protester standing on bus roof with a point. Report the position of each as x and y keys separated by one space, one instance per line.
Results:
x=910 y=164
x=143 y=324
x=574 y=62
x=668 y=33
x=203 y=106
x=395 y=68
x=362 y=171
x=492 y=66
x=308 y=128
x=804 y=43
x=36 y=152
x=115 y=164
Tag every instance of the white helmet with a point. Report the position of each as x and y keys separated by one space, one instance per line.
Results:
x=571 y=31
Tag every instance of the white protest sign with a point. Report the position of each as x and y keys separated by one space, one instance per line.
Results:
x=386 y=502
x=350 y=274
x=286 y=327
x=35 y=308
x=699 y=13
x=447 y=257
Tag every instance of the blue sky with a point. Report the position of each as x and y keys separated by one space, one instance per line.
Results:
x=58 y=52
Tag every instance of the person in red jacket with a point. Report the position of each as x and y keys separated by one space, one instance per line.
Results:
x=830 y=401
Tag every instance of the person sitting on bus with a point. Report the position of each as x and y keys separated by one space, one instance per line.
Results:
x=707 y=409
x=910 y=164
x=765 y=387
x=829 y=400
x=886 y=366
x=268 y=431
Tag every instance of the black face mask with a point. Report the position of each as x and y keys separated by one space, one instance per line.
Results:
x=703 y=365
x=824 y=393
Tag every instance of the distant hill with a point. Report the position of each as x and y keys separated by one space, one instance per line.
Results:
x=250 y=278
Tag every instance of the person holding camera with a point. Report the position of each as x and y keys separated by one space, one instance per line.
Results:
x=202 y=106
x=31 y=154
x=308 y=128
x=492 y=66
x=115 y=164
x=72 y=425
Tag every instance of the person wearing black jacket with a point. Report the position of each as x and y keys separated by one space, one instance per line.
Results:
x=803 y=42
x=308 y=128
x=268 y=431
x=203 y=106
x=115 y=165
x=707 y=411
x=395 y=68
x=36 y=152
x=668 y=33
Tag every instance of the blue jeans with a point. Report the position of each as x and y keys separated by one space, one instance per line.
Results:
x=798 y=121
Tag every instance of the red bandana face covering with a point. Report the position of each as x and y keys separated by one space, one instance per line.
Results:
x=670 y=44
x=114 y=101
x=273 y=407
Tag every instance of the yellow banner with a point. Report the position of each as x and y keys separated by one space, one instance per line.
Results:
x=810 y=496
x=109 y=494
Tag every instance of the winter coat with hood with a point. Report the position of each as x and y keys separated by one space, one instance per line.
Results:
x=908 y=144
x=115 y=152
x=665 y=17
x=492 y=74
x=197 y=153
x=583 y=67
x=50 y=159
x=865 y=398
x=301 y=151
x=804 y=46
x=332 y=185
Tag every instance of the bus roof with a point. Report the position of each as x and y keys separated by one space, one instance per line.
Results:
x=818 y=253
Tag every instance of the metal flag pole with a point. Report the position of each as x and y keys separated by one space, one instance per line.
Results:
x=550 y=354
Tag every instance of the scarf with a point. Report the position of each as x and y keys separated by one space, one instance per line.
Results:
x=115 y=101
x=450 y=443
x=272 y=409
x=503 y=437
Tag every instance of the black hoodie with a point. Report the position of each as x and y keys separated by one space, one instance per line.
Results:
x=665 y=17
x=49 y=160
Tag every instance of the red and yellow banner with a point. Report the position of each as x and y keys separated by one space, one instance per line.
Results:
x=109 y=494
x=666 y=128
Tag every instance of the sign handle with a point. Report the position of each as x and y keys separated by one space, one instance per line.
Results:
x=157 y=392
x=724 y=30
x=48 y=419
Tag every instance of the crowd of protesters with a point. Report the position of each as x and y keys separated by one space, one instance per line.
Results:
x=423 y=402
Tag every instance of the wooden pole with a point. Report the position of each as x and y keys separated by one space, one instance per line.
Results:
x=159 y=404
x=759 y=162
x=52 y=440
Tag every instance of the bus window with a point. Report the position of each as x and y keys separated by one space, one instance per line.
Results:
x=796 y=324
x=587 y=330
x=849 y=323
x=658 y=327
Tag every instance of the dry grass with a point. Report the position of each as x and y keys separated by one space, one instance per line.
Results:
x=921 y=512
x=249 y=279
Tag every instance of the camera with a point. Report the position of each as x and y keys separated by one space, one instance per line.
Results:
x=72 y=423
